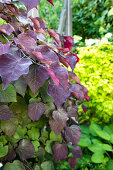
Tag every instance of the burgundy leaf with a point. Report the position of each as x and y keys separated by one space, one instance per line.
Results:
x=18 y=26
x=12 y=67
x=32 y=34
x=76 y=88
x=72 y=162
x=85 y=91
x=25 y=149
x=5 y=113
x=79 y=96
x=72 y=111
x=56 y=126
x=38 y=24
x=64 y=50
x=36 y=110
x=50 y=2
x=55 y=36
x=76 y=57
x=71 y=60
x=86 y=97
x=13 y=9
x=6 y=29
x=68 y=42
x=29 y=4
x=68 y=60
x=84 y=108
x=26 y=42
x=60 y=151
x=55 y=79
x=47 y=53
x=77 y=91
x=73 y=134
x=61 y=73
x=39 y=57
x=2 y=15
x=1 y=7
x=64 y=62
x=59 y=94
x=11 y=153
x=77 y=153
x=74 y=77
x=60 y=115
x=36 y=77
x=4 y=48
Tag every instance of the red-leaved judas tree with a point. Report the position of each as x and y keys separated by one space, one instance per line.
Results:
x=38 y=109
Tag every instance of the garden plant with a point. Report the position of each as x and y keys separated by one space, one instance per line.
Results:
x=97 y=148
x=38 y=101
x=96 y=75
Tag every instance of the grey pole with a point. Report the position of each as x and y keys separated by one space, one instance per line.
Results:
x=65 y=23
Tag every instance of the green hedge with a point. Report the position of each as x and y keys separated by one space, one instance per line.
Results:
x=95 y=70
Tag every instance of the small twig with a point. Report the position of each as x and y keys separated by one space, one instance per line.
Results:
x=5 y=37
x=31 y=59
x=27 y=165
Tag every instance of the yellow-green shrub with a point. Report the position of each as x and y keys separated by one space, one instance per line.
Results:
x=95 y=70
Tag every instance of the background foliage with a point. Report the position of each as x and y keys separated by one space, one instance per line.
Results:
x=51 y=14
x=95 y=71
x=92 y=18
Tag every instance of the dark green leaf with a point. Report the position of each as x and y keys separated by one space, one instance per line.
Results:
x=3 y=150
x=15 y=165
x=47 y=165
x=44 y=136
x=20 y=86
x=8 y=95
x=44 y=95
x=33 y=133
x=9 y=126
x=48 y=146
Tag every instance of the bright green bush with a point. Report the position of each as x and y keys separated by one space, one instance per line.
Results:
x=95 y=70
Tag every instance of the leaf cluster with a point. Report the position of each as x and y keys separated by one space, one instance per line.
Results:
x=38 y=109
x=98 y=140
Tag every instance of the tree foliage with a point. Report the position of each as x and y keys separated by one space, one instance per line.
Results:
x=92 y=18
